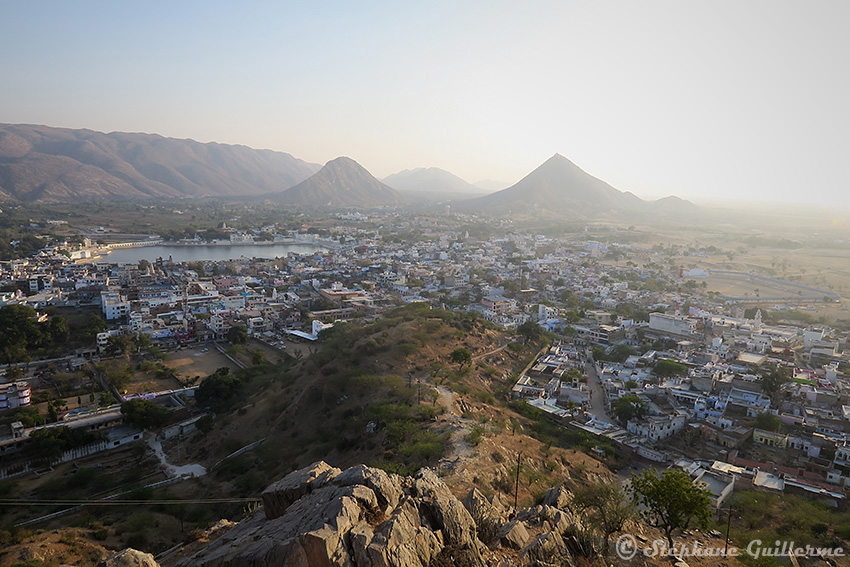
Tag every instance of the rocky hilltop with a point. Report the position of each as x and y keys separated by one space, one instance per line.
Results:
x=365 y=517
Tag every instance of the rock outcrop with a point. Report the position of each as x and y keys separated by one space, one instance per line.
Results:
x=488 y=516
x=361 y=517
x=557 y=497
x=365 y=517
x=129 y=558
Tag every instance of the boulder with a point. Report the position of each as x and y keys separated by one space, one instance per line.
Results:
x=514 y=535
x=446 y=511
x=547 y=547
x=322 y=548
x=388 y=491
x=281 y=494
x=488 y=518
x=311 y=531
x=359 y=539
x=129 y=558
x=558 y=497
x=562 y=521
x=498 y=502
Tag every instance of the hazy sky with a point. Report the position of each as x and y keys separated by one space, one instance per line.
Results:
x=714 y=99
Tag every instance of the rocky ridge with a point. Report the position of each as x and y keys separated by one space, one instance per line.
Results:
x=42 y=164
x=365 y=517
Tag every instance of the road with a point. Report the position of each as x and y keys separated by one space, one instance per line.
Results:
x=597 y=394
x=172 y=471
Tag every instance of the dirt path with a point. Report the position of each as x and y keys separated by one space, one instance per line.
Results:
x=459 y=450
x=494 y=351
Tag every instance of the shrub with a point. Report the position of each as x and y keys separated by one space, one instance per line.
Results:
x=475 y=435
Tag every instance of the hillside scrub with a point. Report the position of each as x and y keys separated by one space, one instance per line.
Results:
x=786 y=517
x=550 y=433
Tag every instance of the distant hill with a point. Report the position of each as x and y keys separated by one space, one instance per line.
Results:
x=490 y=185
x=560 y=188
x=342 y=182
x=43 y=164
x=431 y=180
x=674 y=206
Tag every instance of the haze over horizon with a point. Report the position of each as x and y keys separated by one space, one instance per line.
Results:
x=703 y=101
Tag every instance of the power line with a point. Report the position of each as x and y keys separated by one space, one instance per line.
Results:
x=11 y=502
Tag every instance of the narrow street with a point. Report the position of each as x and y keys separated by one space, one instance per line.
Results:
x=597 y=395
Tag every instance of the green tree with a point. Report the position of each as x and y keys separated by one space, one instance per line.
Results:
x=14 y=373
x=530 y=330
x=144 y=413
x=197 y=267
x=52 y=413
x=46 y=444
x=50 y=443
x=19 y=332
x=339 y=328
x=258 y=358
x=605 y=507
x=769 y=422
x=237 y=335
x=205 y=424
x=670 y=501
x=461 y=356
x=92 y=325
x=141 y=341
x=628 y=407
x=620 y=353
x=29 y=416
x=772 y=382
x=572 y=374
x=119 y=375
x=119 y=344
x=598 y=353
x=667 y=368
x=57 y=329
x=217 y=388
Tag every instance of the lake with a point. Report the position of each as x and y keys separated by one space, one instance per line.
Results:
x=210 y=253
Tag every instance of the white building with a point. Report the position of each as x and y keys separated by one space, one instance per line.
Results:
x=114 y=305
x=839 y=472
x=655 y=428
x=14 y=395
x=674 y=324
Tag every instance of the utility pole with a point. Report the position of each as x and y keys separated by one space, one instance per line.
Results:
x=516 y=489
x=728 y=525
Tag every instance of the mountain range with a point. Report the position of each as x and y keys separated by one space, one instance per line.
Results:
x=42 y=164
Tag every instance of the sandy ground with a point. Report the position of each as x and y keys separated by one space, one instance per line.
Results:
x=146 y=383
x=192 y=362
